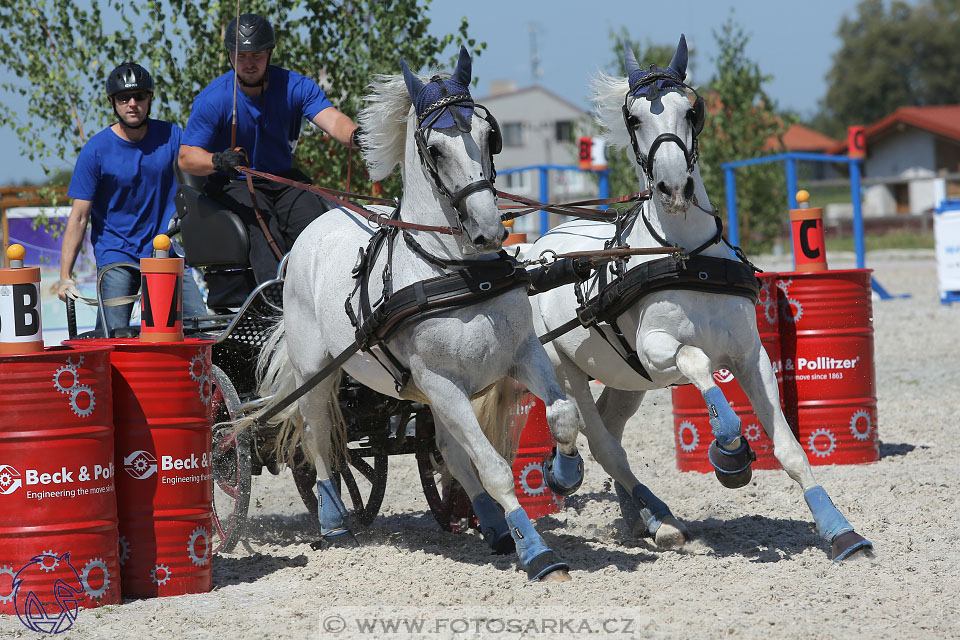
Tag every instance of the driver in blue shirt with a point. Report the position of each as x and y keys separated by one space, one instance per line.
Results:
x=123 y=184
x=271 y=105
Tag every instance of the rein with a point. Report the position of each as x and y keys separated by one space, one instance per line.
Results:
x=577 y=208
x=375 y=218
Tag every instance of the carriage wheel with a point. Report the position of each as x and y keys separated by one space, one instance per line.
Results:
x=372 y=481
x=441 y=509
x=231 y=466
x=366 y=488
x=453 y=509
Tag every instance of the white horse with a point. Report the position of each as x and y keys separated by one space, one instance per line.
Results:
x=670 y=336
x=445 y=148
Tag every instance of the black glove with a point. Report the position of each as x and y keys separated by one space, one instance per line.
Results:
x=355 y=138
x=228 y=160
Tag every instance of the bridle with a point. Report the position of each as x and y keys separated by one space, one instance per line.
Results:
x=429 y=160
x=695 y=115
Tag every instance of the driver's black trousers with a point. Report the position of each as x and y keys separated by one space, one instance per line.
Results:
x=286 y=210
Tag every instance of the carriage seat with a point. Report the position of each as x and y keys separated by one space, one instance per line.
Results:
x=214 y=238
x=212 y=235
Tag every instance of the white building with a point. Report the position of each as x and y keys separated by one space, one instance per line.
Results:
x=906 y=152
x=539 y=128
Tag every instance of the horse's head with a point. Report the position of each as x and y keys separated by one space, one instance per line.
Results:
x=455 y=140
x=652 y=113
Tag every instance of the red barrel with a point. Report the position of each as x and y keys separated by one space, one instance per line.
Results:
x=691 y=422
x=58 y=508
x=829 y=384
x=536 y=443
x=161 y=396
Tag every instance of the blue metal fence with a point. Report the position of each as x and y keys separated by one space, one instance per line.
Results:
x=603 y=184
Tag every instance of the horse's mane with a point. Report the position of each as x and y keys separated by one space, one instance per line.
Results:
x=608 y=93
x=383 y=121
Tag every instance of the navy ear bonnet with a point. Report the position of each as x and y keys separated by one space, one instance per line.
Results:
x=442 y=103
x=676 y=70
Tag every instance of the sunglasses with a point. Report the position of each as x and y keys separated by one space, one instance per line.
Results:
x=124 y=98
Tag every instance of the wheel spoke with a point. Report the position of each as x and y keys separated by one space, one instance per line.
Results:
x=352 y=487
x=361 y=465
x=441 y=510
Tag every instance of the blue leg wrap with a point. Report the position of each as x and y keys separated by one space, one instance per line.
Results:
x=493 y=524
x=652 y=509
x=830 y=522
x=331 y=509
x=563 y=474
x=725 y=423
x=536 y=558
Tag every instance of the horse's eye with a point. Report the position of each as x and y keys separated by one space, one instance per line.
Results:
x=633 y=122
x=434 y=153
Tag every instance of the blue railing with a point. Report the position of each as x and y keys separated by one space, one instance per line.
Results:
x=790 y=161
x=603 y=185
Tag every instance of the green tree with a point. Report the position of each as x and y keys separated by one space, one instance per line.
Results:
x=892 y=55
x=56 y=54
x=741 y=118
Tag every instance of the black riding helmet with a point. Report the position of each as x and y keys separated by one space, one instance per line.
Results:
x=129 y=76
x=256 y=34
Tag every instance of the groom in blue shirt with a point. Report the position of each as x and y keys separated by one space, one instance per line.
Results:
x=123 y=183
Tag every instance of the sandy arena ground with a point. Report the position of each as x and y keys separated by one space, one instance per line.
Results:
x=755 y=568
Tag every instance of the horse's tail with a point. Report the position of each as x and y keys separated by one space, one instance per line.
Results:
x=501 y=416
x=277 y=381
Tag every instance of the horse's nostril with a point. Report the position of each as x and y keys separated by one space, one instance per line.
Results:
x=480 y=241
x=664 y=189
x=688 y=189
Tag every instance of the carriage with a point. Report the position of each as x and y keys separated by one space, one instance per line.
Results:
x=664 y=321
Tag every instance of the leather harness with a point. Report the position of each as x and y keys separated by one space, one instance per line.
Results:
x=690 y=271
x=471 y=282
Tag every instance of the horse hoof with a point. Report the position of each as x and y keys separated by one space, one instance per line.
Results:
x=732 y=468
x=544 y=564
x=558 y=575
x=335 y=538
x=550 y=476
x=671 y=534
x=734 y=480
x=847 y=544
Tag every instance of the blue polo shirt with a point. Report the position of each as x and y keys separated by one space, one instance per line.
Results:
x=131 y=187
x=268 y=126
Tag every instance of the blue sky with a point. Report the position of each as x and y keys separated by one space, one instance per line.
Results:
x=792 y=41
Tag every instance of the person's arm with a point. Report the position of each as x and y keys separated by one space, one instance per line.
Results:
x=337 y=125
x=200 y=162
x=195 y=160
x=70 y=249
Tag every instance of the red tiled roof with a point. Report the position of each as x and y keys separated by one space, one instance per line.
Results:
x=942 y=120
x=800 y=138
